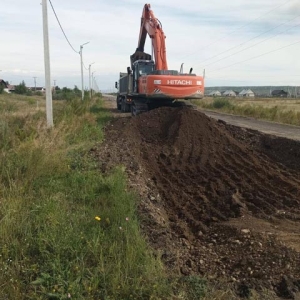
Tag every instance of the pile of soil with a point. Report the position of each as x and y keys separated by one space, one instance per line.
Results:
x=204 y=186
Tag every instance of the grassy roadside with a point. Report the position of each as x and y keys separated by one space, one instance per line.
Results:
x=277 y=112
x=66 y=230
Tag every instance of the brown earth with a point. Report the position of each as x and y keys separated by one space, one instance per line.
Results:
x=216 y=200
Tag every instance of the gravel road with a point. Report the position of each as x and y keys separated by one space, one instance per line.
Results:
x=281 y=130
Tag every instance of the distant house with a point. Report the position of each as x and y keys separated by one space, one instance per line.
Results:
x=229 y=93
x=246 y=93
x=279 y=93
x=11 y=88
x=37 y=89
x=3 y=83
x=215 y=94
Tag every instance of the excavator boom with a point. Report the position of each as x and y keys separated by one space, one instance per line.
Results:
x=150 y=25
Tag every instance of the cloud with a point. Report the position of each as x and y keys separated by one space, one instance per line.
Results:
x=194 y=34
x=294 y=8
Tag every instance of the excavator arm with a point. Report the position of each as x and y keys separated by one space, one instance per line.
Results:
x=152 y=26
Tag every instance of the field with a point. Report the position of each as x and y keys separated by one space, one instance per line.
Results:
x=167 y=205
x=279 y=110
x=284 y=104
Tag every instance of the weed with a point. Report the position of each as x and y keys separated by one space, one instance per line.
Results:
x=196 y=287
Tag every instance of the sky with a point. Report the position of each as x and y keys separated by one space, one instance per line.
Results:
x=238 y=43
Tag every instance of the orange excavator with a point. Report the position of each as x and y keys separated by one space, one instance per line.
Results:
x=149 y=84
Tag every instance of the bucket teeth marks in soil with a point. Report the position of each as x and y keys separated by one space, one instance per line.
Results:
x=207 y=174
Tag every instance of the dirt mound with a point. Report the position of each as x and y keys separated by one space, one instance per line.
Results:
x=281 y=150
x=205 y=173
x=195 y=175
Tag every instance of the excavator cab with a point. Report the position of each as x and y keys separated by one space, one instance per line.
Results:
x=141 y=68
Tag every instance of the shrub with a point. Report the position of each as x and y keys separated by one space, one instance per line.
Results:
x=68 y=94
x=21 y=88
x=38 y=93
x=220 y=103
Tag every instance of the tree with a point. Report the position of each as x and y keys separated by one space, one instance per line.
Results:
x=77 y=91
x=21 y=88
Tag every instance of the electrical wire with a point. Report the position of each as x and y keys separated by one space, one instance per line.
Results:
x=289 y=45
x=62 y=28
x=235 y=30
x=245 y=42
x=85 y=66
x=269 y=38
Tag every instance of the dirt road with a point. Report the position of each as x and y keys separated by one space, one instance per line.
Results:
x=217 y=200
x=282 y=130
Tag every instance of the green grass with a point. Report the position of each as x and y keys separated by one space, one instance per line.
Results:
x=277 y=113
x=51 y=245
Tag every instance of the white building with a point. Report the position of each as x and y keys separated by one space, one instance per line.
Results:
x=246 y=93
x=214 y=94
x=229 y=93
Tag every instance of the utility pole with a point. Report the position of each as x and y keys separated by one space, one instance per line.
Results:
x=92 y=82
x=54 y=82
x=35 y=83
x=49 y=110
x=81 y=63
x=90 y=88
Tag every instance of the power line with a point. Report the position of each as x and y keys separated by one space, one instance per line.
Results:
x=235 y=30
x=256 y=76
x=245 y=42
x=289 y=45
x=62 y=28
x=251 y=46
x=85 y=66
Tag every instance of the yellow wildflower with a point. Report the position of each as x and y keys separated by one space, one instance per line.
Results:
x=97 y=218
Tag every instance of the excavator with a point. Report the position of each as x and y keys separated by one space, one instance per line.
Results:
x=149 y=83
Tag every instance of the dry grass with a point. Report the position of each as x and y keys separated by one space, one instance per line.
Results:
x=21 y=105
x=283 y=104
x=285 y=111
